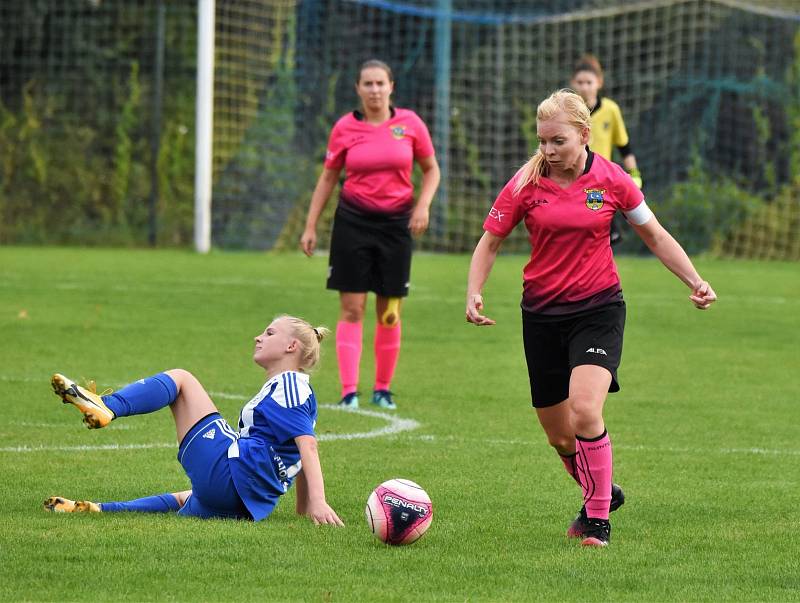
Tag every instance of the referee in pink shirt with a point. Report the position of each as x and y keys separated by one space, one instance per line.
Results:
x=377 y=215
x=573 y=314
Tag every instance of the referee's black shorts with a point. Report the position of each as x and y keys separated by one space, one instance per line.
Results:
x=370 y=252
x=554 y=345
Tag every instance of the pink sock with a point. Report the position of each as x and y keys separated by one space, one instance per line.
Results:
x=387 y=350
x=569 y=461
x=348 y=352
x=594 y=467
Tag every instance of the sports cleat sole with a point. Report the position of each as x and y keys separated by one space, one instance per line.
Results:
x=95 y=413
x=351 y=404
x=594 y=542
x=576 y=528
x=59 y=504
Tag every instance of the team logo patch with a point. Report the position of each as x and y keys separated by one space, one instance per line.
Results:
x=398 y=132
x=594 y=198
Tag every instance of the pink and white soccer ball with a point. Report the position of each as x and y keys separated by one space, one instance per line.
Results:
x=399 y=511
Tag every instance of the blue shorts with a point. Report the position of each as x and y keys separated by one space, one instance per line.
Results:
x=203 y=453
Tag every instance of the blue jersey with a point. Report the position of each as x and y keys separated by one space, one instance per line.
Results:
x=265 y=459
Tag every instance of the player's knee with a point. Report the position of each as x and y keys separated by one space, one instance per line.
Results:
x=390 y=317
x=564 y=443
x=352 y=311
x=351 y=315
x=180 y=376
x=182 y=497
x=586 y=414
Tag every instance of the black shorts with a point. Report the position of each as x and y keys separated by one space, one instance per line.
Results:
x=554 y=345
x=370 y=252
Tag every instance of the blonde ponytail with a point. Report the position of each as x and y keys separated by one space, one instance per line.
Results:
x=309 y=337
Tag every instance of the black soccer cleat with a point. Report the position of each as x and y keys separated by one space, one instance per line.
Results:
x=597 y=533
x=578 y=526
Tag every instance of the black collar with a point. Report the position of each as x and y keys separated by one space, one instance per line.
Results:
x=360 y=116
x=589 y=160
x=597 y=104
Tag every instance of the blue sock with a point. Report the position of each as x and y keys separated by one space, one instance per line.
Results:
x=159 y=503
x=143 y=396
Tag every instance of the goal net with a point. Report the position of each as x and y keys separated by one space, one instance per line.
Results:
x=97 y=111
x=709 y=92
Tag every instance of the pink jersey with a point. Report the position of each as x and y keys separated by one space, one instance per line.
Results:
x=378 y=160
x=571 y=266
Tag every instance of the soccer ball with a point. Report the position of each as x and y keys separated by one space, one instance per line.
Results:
x=398 y=511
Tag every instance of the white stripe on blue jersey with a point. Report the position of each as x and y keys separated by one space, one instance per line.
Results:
x=292 y=389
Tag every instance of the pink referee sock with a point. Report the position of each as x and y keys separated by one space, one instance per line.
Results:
x=594 y=466
x=569 y=461
x=348 y=352
x=387 y=350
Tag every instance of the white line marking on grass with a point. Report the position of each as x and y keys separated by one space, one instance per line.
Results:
x=225 y=396
x=394 y=426
x=86 y=448
x=11 y=379
x=637 y=447
x=70 y=425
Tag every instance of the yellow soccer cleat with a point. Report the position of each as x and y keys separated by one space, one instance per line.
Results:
x=59 y=504
x=95 y=413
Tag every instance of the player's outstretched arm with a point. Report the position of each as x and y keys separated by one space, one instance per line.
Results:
x=672 y=255
x=319 y=199
x=313 y=503
x=479 y=269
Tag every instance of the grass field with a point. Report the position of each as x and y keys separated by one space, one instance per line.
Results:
x=705 y=435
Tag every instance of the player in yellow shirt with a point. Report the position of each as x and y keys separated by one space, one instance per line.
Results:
x=608 y=127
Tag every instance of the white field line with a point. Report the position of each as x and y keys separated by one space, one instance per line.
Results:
x=69 y=425
x=394 y=426
x=638 y=447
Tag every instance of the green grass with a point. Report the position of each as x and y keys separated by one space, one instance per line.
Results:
x=704 y=429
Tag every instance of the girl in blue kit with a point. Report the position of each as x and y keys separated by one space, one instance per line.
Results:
x=239 y=475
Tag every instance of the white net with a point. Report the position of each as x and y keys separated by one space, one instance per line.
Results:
x=97 y=124
x=704 y=86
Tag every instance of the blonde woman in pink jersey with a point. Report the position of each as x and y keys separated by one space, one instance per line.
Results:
x=375 y=220
x=573 y=313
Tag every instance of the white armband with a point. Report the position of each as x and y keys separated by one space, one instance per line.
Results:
x=639 y=215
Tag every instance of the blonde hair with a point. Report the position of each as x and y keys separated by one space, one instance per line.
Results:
x=562 y=101
x=309 y=338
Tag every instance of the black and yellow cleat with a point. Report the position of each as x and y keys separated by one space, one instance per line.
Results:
x=95 y=413
x=59 y=504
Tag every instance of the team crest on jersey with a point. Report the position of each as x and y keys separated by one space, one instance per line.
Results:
x=594 y=198
x=398 y=132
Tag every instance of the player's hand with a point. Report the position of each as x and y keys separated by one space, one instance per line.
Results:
x=636 y=176
x=308 y=241
x=474 y=308
x=703 y=296
x=321 y=513
x=418 y=223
